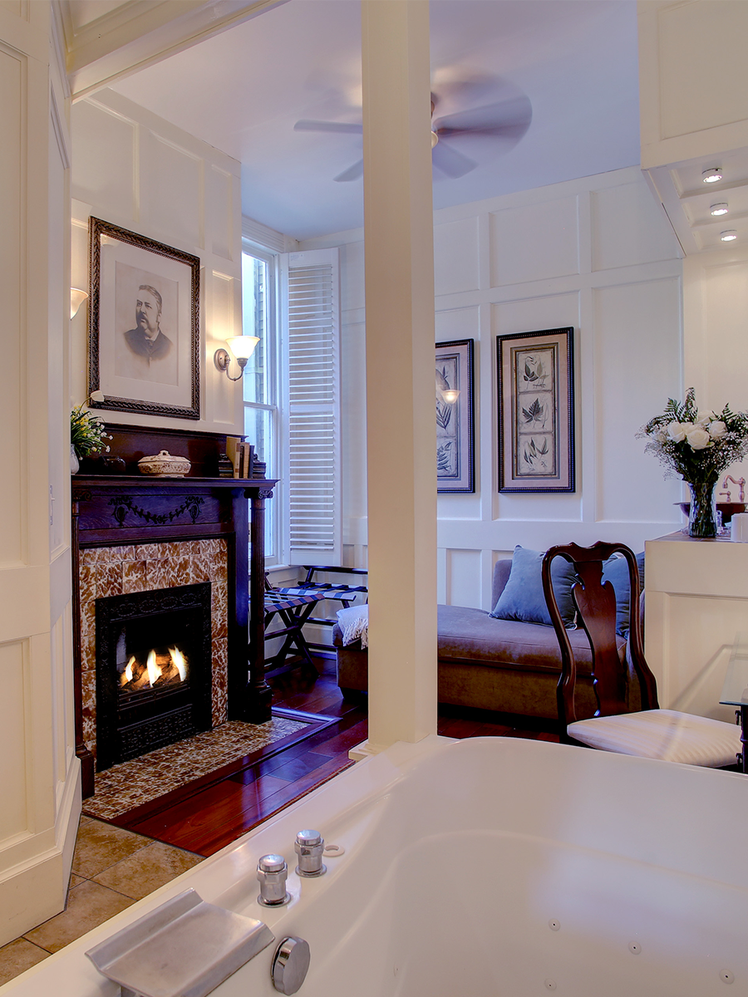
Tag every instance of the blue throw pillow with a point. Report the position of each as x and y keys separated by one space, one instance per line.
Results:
x=523 y=599
x=616 y=571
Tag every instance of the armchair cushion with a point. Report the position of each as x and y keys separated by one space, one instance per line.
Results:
x=665 y=734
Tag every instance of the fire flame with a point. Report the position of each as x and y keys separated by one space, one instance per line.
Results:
x=154 y=672
x=179 y=662
x=127 y=674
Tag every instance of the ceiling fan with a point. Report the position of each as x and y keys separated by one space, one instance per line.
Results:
x=492 y=116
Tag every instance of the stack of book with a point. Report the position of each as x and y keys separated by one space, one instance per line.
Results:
x=242 y=457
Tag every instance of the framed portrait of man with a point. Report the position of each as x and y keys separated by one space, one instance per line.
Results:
x=144 y=321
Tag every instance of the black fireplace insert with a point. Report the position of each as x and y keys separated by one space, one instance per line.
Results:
x=153 y=670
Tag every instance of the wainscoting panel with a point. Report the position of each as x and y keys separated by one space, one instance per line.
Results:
x=456 y=260
x=14 y=739
x=625 y=230
x=464 y=577
x=459 y=323
x=103 y=164
x=535 y=241
x=638 y=343
x=219 y=192
x=171 y=189
x=12 y=248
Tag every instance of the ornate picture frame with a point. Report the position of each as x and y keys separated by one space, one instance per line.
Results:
x=144 y=324
x=536 y=411
x=455 y=444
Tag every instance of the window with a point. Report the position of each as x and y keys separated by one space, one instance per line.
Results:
x=292 y=398
x=260 y=381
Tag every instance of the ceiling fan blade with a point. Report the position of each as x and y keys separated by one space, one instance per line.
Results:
x=507 y=119
x=451 y=162
x=309 y=125
x=352 y=173
x=468 y=90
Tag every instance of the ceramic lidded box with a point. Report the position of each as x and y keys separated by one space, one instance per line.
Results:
x=164 y=465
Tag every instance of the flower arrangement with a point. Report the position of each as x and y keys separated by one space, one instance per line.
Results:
x=87 y=434
x=699 y=446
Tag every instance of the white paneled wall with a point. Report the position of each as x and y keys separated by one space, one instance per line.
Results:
x=597 y=254
x=136 y=170
x=40 y=775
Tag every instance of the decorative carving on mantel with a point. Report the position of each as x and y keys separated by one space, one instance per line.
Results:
x=124 y=504
x=262 y=493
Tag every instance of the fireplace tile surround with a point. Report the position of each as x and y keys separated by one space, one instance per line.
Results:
x=111 y=571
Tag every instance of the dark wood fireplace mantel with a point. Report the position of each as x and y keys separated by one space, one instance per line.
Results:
x=119 y=510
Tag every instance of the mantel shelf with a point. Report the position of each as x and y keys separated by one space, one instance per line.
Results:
x=104 y=481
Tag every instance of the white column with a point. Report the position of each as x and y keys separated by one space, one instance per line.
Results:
x=401 y=434
x=39 y=773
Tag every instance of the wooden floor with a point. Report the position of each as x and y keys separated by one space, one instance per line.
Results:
x=218 y=815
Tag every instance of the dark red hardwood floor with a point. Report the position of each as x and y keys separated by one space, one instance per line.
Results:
x=217 y=815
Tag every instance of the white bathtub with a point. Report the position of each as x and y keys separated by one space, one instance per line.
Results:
x=490 y=867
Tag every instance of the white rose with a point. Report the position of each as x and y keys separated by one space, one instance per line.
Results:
x=717 y=429
x=698 y=438
x=676 y=432
x=705 y=418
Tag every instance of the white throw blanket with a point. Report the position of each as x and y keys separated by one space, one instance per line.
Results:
x=354 y=622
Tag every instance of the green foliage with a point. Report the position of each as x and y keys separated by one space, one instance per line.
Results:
x=698 y=446
x=87 y=434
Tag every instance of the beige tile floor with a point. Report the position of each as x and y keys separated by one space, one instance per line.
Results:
x=112 y=868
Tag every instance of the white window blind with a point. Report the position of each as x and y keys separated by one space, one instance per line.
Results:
x=312 y=461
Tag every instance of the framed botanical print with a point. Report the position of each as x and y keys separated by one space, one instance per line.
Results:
x=536 y=411
x=144 y=324
x=455 y=447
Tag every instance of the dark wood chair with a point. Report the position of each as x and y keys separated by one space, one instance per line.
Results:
x=650 y=732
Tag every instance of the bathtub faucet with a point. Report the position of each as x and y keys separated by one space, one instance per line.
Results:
x=272 y=873
x=309 y=846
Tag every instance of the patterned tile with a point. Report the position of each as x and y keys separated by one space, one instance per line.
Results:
x=146 y=567
x=130 y=784
x=133 y=576
x=109 y=579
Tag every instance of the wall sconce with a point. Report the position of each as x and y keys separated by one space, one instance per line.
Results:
x=77 y=297
x=242 y=347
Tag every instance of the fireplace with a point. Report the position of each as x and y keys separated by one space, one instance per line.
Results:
x=153 y=670
x=133 y=534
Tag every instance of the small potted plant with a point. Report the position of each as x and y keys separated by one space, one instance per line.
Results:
x=87 y=436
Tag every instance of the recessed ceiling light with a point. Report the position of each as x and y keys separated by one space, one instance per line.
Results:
x=718 y=209
x=729 y=235
x=711 y=175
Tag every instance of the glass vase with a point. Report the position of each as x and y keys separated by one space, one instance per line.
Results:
x=702 y=516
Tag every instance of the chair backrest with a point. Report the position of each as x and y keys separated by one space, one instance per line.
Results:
x=595 y=601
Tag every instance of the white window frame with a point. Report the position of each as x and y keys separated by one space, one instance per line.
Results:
x=273 y=354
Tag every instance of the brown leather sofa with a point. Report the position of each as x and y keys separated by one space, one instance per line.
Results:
x=499 y=665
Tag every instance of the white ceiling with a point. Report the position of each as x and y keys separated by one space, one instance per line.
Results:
x=243 y=90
